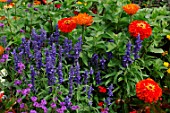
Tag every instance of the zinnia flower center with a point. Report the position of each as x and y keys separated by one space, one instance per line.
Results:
x=67 y=22
x=142 y=25
x=150 y=87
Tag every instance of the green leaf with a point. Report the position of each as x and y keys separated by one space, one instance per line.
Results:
x=157 y=50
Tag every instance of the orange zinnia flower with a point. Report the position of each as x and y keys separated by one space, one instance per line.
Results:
x=131 y=9
x=83 y=19
x=3 y=0
x=140 y=27
x=2 y=18
x=2 y=50
x=9 y=5
x=37 y=2
x=66 y=25
x=148 y=90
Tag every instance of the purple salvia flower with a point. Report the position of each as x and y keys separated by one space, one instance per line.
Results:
x=110 y=90
x=98 y=78
x=109 y=55
x=90 y=92
x=33 y=98
x=3 y=41
x=77 y=73
x=75 y=107
x=60 y=73
x=16 y=59
x=71 y=75
x=67 y=46
x=77 y=48
x=91 y=71
x=4 y=58
x=126 y=58
x=25 y=46
x=54 y=37
x=137 y=47
x=102 y=63
x=38 y=57
x=94 y=60
x=85 y=76
x=33 y=73
x=53 y=53
x=107 y=101
x=50 y=69
x=67 y=101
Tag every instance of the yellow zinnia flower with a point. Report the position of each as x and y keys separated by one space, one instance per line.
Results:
x=81 y=3
x=168 y=37
x=166 y=64
x=168 y=71
x=164 y=53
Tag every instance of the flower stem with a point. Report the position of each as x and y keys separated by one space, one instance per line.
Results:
x=83 y=30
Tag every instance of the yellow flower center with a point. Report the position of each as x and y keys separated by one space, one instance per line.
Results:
x=150 y=87
x=67 y=22
x=142 y=25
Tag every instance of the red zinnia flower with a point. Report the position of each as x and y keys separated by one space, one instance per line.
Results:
x=66 y=25
x=100 y=104
x=102 y=89
x=57 y=6
x=148 y=90
x=131 y=9
x=140 y=27
x=1 y=95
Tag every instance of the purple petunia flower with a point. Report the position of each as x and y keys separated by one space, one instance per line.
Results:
x=53 y=105
x=36 y=104
x=75 y=107
x=17 y=82
x=19 y=100
x=33 y=98
x=62 y=103
x=4 y=58
x=33 y=111
x=1 y=25
x=22 y=105
x=19 y=91
x=43 y=102
x=22 y=31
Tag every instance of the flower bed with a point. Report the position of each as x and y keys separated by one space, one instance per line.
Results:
x=85 y=56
